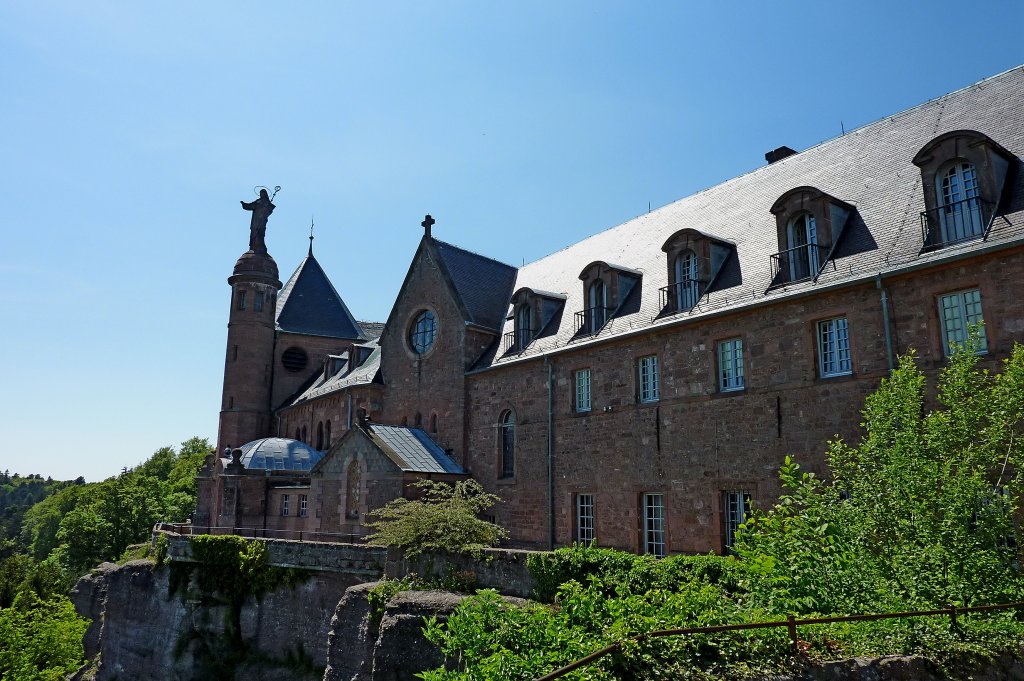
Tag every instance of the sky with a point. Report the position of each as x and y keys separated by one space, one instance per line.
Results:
x=130 y=131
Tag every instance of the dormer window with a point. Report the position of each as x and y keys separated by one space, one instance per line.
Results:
x=596 y=312
x=695 y=260
x=534 y=313
x=606 y=288
x=809 y=224
x=802 y=257
x=962 y=173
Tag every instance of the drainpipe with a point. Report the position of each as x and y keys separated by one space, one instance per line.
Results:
x=551 y=462
x=885 y=320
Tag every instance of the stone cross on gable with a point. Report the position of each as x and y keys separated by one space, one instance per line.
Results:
x=427 y=223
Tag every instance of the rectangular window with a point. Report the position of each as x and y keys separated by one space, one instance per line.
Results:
x=303 y=505
x=284 y=504
x=584 y=518
x=959 y=311
x=654 y=524
x=834 y=347
x=257 y=302
x=730 y=365
x=583 y=390
x=735 y=509
x=241 y=299
x=648 y=367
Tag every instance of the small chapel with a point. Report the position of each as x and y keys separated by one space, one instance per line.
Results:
x=638 y=389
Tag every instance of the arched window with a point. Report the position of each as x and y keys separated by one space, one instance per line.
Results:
x=418 y=420
x=960 y=212
x=352 y=488
x=433 y=423
x=524 y=334
x=508 y=444
x=327 y=434
x=320 y=436
x=298 y=433
x=802 y=255
x=597 y=305
x=303 y=438
x=687 y=284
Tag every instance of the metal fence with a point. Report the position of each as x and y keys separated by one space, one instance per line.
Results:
x=791 y=623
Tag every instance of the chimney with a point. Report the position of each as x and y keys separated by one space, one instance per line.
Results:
x=778 y=154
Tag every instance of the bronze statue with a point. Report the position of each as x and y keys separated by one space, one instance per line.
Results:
x=261 y=209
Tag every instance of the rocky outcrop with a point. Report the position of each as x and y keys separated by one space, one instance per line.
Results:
x=154 y=623
x=911 y=668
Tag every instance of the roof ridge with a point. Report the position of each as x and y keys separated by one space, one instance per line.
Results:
x=779 y=163
x=474 y=253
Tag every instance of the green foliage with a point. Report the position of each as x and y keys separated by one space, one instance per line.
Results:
x=919 y=514
x=613 y=570
x=444 y=519
x=379 y=596
x=85 y=524
x=40 y=640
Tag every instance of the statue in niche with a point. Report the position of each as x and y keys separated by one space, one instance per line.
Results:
x=261 y=209
x=354 y=475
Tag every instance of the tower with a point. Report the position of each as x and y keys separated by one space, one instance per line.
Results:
x=248 y=363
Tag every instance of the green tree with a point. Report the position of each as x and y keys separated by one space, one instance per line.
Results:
x=40 y=640
x=921 y=509
x=84 y=537
x=444 y=519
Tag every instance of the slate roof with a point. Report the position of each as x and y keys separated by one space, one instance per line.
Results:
x=371 y=330
x=870 y=168
x=364 y=374
x=412 y=450
x=280 y=454
x=309 y=304
x=484 y=285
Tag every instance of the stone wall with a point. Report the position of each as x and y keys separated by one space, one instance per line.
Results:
x=501 y=569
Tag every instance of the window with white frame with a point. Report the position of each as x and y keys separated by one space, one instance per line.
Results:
x=730 y=365
x=303 y=505
x=654 y=524
x=648 y=371
x=735 y=509
x=284 y=504
x=584 y=518
x=834 y=347
x=958 y=312
x=583 y=390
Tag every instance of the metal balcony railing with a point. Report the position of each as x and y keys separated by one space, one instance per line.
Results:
x=797 y=264
x=516 y=341
x=681 y=296
x=955 y=222
x=592 y=320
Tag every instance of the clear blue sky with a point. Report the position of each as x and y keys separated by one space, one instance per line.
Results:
x=130 y=131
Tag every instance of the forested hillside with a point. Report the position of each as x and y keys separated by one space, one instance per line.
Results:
x=52 y=532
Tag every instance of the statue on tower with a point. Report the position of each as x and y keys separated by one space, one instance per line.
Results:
x=261 y=209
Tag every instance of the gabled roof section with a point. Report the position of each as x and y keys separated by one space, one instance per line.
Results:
x=412 y=450
x=365 y=374
x=310 y=305
x=482 y=286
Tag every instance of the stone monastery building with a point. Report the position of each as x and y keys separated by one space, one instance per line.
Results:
x=639 y=388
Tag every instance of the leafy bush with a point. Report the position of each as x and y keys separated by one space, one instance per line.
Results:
x=638 y=574
x=379 y=596
x=40 y=640
x=919 y=514
x=444 y=519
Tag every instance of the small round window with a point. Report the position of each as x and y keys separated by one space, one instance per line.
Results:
x=423 y=331
x=294 y=359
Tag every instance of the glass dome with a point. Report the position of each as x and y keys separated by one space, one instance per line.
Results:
x=279 y=454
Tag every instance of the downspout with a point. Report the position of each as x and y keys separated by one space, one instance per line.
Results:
x=349 y=411
x=885 y=320
x=551 y=461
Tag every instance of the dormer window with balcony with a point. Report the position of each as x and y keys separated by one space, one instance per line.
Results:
x=962 y=173
x=606 y=287
x=809 y=223
x=534 y=314
x=695 y=259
